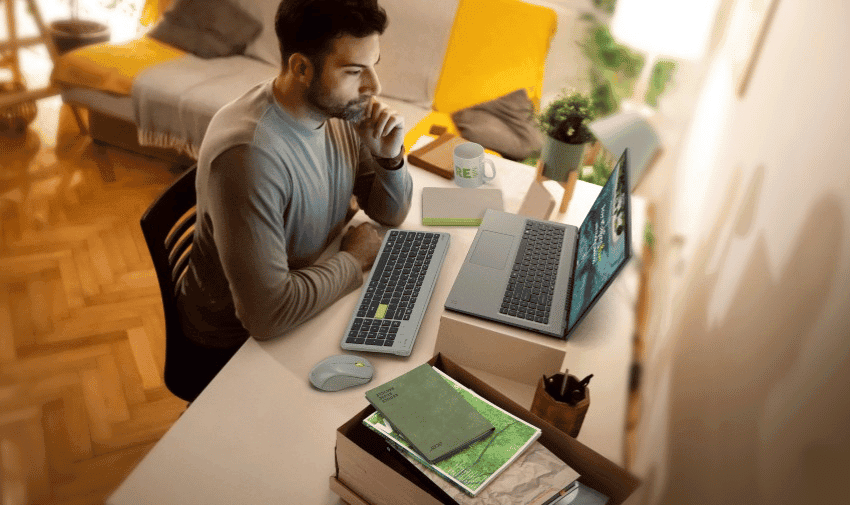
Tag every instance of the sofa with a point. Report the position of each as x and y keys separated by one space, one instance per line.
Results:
x=437 y=57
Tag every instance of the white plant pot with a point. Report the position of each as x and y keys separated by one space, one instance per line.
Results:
x=560 y=158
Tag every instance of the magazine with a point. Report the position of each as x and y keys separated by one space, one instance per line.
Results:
x=476 y=466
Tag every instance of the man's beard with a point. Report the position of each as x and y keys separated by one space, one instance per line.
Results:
x=349 y=111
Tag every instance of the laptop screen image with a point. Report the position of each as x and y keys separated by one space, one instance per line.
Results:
x=604 y=244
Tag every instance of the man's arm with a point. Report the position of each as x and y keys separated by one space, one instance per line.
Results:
x=384 y=195
x=247 y=206
x=383 y=186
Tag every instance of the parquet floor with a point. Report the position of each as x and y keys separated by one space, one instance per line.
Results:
x=81 y=326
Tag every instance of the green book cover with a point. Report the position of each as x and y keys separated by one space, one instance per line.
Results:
x=472 y=468
x=429 y=412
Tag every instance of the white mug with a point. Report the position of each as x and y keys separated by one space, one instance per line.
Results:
x=469 y=162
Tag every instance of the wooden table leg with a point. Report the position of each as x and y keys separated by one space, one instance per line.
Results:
x=569 y=186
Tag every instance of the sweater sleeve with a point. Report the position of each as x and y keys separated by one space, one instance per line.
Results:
x=249 y=195
x=383 y=194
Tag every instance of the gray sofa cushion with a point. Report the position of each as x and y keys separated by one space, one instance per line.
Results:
x=265 y=47
x=505 y=125
x=207 y=28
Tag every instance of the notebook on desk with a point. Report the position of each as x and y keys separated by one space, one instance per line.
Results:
x=458 y=206
x=541 y=275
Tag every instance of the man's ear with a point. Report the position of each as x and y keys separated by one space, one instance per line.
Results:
x=301 y=67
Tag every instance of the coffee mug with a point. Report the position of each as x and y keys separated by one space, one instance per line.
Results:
x=469 y=164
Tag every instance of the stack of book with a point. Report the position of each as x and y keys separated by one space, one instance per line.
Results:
x=462 y=442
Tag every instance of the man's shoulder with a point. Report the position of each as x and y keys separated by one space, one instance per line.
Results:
x=236 y=123
x=247 y=110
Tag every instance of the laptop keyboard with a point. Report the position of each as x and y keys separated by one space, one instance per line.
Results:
x=532 y=281
x=397 y=292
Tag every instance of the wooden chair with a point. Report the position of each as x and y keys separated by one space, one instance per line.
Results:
x=168 y=226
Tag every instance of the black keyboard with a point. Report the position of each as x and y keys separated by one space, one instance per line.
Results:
x=532 y=281
x=395 y=296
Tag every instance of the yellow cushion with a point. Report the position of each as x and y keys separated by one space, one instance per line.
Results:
x=152 y=11
x=111 y=67
x=495 y=47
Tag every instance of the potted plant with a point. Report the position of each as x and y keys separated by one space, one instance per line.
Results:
x=68 y=34
x=565 y=123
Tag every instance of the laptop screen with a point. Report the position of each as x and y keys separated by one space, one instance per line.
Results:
x=603 y=244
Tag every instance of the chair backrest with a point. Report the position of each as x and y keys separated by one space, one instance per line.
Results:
x=495 y=47
x=168 y=227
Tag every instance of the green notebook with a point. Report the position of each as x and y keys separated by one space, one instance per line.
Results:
x=458 y=206
x=485 y=460
x=429 y=413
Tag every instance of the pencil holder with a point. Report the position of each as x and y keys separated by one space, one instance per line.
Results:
x=556 y=409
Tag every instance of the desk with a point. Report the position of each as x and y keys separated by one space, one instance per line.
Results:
x=261 y=434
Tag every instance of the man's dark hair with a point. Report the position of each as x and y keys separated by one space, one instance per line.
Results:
x=309 y=26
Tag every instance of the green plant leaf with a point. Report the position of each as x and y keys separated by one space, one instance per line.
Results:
x=662 y=74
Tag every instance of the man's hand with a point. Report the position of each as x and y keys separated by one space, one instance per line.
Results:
x=381 y=129
x=363 y=243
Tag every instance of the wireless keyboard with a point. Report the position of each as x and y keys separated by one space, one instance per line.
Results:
x=396 y=294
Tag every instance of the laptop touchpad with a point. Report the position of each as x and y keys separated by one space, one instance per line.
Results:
x=492 y=250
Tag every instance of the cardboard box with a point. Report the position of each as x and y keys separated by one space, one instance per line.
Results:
x=510 y=352
x=370 y=472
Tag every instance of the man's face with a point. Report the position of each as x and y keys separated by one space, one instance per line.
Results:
x=347 y=79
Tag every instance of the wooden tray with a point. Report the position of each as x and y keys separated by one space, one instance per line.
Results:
x=436 y=156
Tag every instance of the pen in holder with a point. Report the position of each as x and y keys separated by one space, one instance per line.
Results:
x=562 y=400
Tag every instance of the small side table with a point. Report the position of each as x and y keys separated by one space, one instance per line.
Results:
x=570 y=184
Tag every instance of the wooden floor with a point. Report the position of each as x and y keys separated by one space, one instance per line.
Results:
x=81 y=326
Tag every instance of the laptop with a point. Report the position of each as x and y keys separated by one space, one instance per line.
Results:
x=546 y=276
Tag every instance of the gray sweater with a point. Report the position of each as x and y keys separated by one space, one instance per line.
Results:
x=272 y=194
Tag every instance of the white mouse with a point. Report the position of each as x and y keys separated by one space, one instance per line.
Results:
x=341 y=371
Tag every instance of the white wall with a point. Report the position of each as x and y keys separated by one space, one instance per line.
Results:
x=747 y=385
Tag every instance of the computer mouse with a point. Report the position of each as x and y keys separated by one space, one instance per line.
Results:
x=341 y=371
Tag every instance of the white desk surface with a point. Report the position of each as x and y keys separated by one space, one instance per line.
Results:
x=260 y=433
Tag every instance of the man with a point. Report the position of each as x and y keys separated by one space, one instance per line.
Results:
x=276 y=173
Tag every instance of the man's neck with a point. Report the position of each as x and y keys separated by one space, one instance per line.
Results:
x=291 y=98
